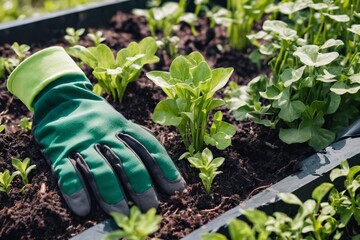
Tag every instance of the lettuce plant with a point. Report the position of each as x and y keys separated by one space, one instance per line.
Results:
x=135 y=227
x=5 y=181
x=20 y=50
x=326 y=215
x=73 y=35
x=23 y=168
x=208 y=167
x=190 y=87
x=96 y=37
x=114 y=74
x=25 y=124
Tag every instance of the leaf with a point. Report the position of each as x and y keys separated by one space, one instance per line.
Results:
x=338 y=18
x=160 y=78
x=341 y=88
x=239 y=229
x=355 y=28
x=148 y=47
x=290 y=198
x=179 y=69
x=326 y=77
x=310 y=56
x=167 y=113
x=333 y=103
x=220 y=77
x=201 y=73
x=331 y=43
x=321 y=138
x=295 y=135
x=115 y=235
x=84 y=54
x=289 y=76
x=281 y=29
x=257 y=217
x=214 y=103
x=207 y=155
x=320 y=191
x=293 y=7
x=213 y=236
x=355 y=78
x=105 y=56
x=217 y=162
x=291 y=111
x=336 y=173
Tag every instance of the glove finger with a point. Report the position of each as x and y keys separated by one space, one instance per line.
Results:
x=102 y=180
x=155 y=158
x=72 y=186
x=132 y=174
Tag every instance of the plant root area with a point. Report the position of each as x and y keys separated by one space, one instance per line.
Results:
x=255 y=160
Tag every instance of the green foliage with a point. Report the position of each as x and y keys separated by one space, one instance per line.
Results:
x=313 y=89
x=73 y=35
x=18 y=9
x=208 y=167
x=5 y=181
x=23 y=168
x=165 y=19
x=20 y=50
x=114 y=74
x=135 y=227
x=7 y=65
x=243 y=14
x=190 y=87
x=25 y=124
x=96 y=37
x=318 y=218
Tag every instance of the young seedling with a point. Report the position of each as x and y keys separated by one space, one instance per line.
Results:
x=23 y=168
x=208 y=167
x=96 y=37
x=5 y=181
x=137 y=226
x=25 y=124
x=190 y=87
x=73 y=36
x=114 y=74
x=20 y=50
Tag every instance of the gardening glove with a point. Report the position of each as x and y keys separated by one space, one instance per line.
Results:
x=90 y=146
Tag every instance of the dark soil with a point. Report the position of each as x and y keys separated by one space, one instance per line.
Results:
x=256 y=159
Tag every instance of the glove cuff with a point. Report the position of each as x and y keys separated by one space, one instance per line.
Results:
x=32 y=75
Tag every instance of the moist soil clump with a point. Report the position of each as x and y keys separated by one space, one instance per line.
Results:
x=255 y=160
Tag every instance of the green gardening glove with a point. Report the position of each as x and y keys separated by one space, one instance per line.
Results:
x=91 y=147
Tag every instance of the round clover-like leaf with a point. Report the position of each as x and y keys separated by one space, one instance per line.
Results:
x=281 y=29
x=338 y=18
x=310 y=56
x=355 y=28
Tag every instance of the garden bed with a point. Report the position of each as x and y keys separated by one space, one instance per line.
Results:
x=255 y=160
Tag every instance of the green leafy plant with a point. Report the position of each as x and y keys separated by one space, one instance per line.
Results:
x=313 y=86
x=25 y=124
x=164 y=20
x=20 y=50
x=114 y=74
x=5 y=181
x=23 y=168
x=190 y=87
x=7 y=65
x=135 y=227
x=96 y=37
x=208 y=166
x=325 y=216
x=73 y=35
